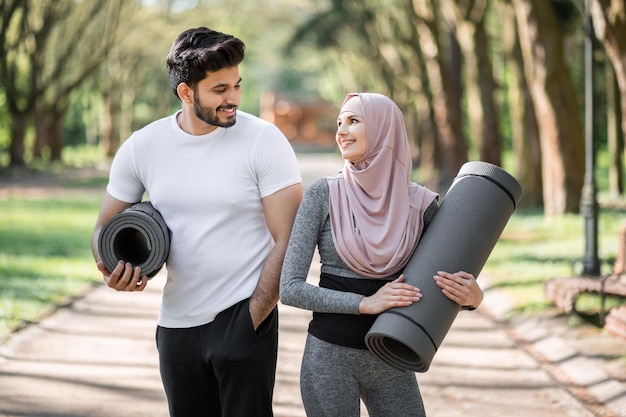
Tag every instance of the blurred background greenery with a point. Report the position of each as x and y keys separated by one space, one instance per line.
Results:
x=45 y=255
x=502 y=81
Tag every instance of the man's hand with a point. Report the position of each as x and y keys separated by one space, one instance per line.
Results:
x=124 y=277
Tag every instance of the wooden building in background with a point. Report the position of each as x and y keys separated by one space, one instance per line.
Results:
x=309 y=124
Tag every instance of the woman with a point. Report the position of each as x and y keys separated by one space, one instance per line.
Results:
x=366 y=222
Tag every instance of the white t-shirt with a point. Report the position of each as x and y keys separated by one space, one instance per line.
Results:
x=208 y=189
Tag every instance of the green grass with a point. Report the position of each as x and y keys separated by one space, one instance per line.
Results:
x=533 y=249
x=45 y=255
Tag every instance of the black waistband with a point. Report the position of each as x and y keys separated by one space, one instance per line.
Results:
x=345 y=329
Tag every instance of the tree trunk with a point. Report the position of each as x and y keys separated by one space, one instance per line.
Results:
x=42 y=126
x=55 y=137
x=19 y=122
x=491 y=143
x=609 y=22
x=41 y=137
x=558 y=115
x=524 y=129
x=125 y=118
x=451 y=75
x=480 y=86
x=446 y=95
x=615 y=136
x=109 y=122
x=427 y=138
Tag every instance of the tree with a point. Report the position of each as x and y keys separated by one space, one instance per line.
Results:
x=134 y=84
x=76 y=48
x=615 y=134
x=609 y=22
x=403 y=44
x=443 y=72
x=21 y=40
x=524 y=129
x=129 y=67
x=554 y=98
x=469 y=19
x=50 y=48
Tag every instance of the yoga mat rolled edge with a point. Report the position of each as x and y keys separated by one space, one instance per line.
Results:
x=138 y=234
x=460 y=237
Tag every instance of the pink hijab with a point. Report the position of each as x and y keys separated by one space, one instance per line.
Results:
x=376 y=212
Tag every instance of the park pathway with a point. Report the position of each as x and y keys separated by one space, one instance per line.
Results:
x=96 y=357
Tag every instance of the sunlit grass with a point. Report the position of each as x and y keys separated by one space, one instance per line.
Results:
x=45 y=255
x=534 y=249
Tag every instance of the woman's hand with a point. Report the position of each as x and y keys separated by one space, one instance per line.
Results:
x=460 y=287
x=393 y=294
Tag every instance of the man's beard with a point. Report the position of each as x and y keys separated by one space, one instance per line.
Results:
x=210 y=116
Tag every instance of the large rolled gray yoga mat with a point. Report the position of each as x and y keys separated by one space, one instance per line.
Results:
x=137 y=235
x=460 y=237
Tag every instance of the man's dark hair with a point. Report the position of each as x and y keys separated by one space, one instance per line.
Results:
x=196 y=51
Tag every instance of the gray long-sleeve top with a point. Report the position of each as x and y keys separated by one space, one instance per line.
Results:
x=312 y=229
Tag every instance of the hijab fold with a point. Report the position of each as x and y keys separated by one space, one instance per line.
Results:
x=376 y=212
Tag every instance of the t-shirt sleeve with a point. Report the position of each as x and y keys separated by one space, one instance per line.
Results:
x=124 y=182
x=277 y=165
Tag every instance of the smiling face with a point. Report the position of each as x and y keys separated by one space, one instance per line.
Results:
x=212 y=102
x=351 y=137
x=216 y=97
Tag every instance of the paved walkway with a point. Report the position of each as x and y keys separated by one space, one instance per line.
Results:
x=97 y=358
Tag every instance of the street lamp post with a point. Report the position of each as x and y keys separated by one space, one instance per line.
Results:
x=588 y=203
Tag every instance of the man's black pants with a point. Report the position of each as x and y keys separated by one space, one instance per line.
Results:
x=220 y=369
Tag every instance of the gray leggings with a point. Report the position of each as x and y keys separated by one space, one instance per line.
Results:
x=333 y=378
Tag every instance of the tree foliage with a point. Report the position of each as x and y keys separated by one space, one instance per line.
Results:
x=50 y=48
x=453 y=62
x=477 y=79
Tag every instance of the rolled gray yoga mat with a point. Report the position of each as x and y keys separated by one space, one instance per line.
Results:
x=137 y=235
x=460 y=237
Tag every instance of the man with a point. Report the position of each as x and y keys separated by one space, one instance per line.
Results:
x=228 y=186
